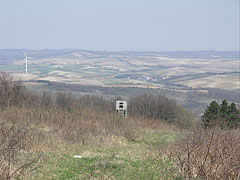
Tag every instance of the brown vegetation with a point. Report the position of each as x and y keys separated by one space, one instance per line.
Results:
x=14 y=143
x=48 y=122
x=159 y=107
x=208 y=154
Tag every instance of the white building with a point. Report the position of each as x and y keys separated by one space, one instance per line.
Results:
x=121 y=107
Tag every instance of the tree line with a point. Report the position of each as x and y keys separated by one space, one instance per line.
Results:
x=155 y=106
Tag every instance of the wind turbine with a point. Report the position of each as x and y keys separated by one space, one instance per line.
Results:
x=26 y=59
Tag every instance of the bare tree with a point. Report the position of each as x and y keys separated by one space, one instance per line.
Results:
x=153 y=106
x=10 y=91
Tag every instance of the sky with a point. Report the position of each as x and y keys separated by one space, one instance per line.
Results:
x=120 y=25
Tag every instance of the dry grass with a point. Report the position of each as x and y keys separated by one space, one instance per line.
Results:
x=55 y=132
x=202 y=154
x=53 y=126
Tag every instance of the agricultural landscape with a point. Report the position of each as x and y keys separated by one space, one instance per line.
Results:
x=58 y=121
x=191 y=78
x=172 y=70
x=120 y=90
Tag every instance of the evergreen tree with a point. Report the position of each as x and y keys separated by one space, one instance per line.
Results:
x=233 y=108
x=233 y=119
x=211 y=114
x=224 y=109
x=224 y=115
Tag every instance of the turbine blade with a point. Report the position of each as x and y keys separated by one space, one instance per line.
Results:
x=25 y=54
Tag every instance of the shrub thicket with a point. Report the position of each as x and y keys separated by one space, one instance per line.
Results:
x=161 y=108
x=153 y=106
x=207 y=154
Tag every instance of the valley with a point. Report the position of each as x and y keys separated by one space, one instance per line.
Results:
x=174 y=70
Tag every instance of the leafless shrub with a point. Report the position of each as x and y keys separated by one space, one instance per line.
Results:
x=208 y=154
x=97 y=103
x=86 y=126
x=161 y=108
x=13 y=145
x=153 y=106
x=92 y=127
x=65 y=101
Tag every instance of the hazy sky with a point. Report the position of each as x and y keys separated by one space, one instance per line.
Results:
x=157 y=25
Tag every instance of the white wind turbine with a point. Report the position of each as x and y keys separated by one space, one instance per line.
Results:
x=26 y=59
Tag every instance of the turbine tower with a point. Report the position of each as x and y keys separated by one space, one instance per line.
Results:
x=26 y=59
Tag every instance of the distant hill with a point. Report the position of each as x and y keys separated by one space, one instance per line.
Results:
x=16 y=54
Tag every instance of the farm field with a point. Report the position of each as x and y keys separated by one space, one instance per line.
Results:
x=225 y=81
x=173 y=70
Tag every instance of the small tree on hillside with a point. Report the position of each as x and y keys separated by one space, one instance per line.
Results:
x=224 y=115
x=211 y=114
x=224 y=109
x=233 y=118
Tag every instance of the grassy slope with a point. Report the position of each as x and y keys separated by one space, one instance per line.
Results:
x=129 y=160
